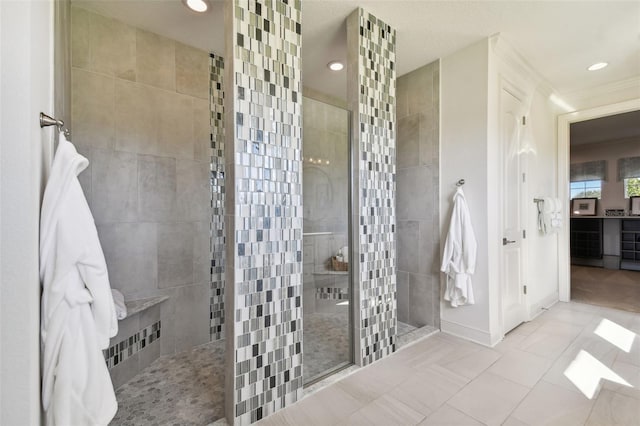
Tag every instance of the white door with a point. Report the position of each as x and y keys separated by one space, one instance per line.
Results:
x=25 y=90
x=512 y=287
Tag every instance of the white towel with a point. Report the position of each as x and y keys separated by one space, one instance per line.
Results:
x=118 y=300
x=345 y=254
x=78 y=316
x=459 y=256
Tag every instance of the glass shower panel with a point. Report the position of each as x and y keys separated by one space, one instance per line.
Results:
x=326 y=281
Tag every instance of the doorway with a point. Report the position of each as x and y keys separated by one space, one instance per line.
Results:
x=596 y=272
x=605 y=176
x=327 y=279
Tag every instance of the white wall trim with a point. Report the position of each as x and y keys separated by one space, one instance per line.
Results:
x=564 y=123
x=538 y=308
x=629 y=85
x=476 y=335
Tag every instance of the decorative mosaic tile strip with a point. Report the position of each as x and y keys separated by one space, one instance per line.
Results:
x=119 y=352
x=216 y=98
x=265 y=244
x=332 y=293
x=374 y=43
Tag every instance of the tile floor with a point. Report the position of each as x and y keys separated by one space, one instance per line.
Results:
x=186 y=389
x=524 y=380
x=326 y=343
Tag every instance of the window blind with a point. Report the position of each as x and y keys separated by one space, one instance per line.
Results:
x=592 y=170
x=628 y=167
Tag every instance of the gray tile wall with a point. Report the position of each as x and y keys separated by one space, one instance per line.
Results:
x=418 y=219
x=263 y=208
x=140 y=113
x=372 y=98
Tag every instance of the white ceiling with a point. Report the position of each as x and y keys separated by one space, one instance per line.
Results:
x=560 y=39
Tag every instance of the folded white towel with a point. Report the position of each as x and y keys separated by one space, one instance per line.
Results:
x=345 y=253
x=118 y=301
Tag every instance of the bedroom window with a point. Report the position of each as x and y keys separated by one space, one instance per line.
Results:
x=586 y=189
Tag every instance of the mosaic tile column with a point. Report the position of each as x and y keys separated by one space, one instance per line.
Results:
x=263 y=291
x=216 y=98
x=371 y=96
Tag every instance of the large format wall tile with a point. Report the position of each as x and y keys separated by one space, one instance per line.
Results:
x=264 y=208
x=113 y=48
x=130 y=250
x=136 y=118
x=192 y=71
x=175 y=254
x=175 y=125
x=191 y=330
x=103 y=45
x=155 y=60
x=372 y=95
x=93 y=109
x=156 y=188
x=417 y=191
x=193 y=190
x=114 y=177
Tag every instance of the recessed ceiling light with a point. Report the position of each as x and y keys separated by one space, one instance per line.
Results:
x=598 y=66
x=197 y=5
x=335 y=66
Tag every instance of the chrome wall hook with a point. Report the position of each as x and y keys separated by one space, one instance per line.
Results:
x=46 y=121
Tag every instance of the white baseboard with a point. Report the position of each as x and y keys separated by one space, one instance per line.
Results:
x=469 y=333
x=539 y=307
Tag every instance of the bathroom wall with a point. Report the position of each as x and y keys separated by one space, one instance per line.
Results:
x=371 y=94
x=263 y=280
x=25 y=90
x=418 y=215
x=326 y=202
x=141 y=115
x=471 y=81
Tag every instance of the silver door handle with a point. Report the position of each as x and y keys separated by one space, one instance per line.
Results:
x=505 y=241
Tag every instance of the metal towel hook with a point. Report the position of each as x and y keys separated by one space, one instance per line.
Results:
x=460 y=182
x=46 y=121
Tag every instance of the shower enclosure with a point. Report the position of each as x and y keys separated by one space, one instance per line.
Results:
x=147 y=111
x=326 y=279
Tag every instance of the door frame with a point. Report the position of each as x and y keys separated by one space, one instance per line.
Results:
x=564 y=124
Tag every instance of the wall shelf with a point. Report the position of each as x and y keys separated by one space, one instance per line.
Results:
x=630 y=244
x=586 y=238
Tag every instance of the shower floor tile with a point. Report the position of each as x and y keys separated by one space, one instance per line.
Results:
x=326 y=343
x=182 y=389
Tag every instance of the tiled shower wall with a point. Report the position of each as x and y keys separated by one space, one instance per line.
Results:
x=372 y=98
x=140 y=113
x=216 y=305
x=418 y=215
x=263 y=207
